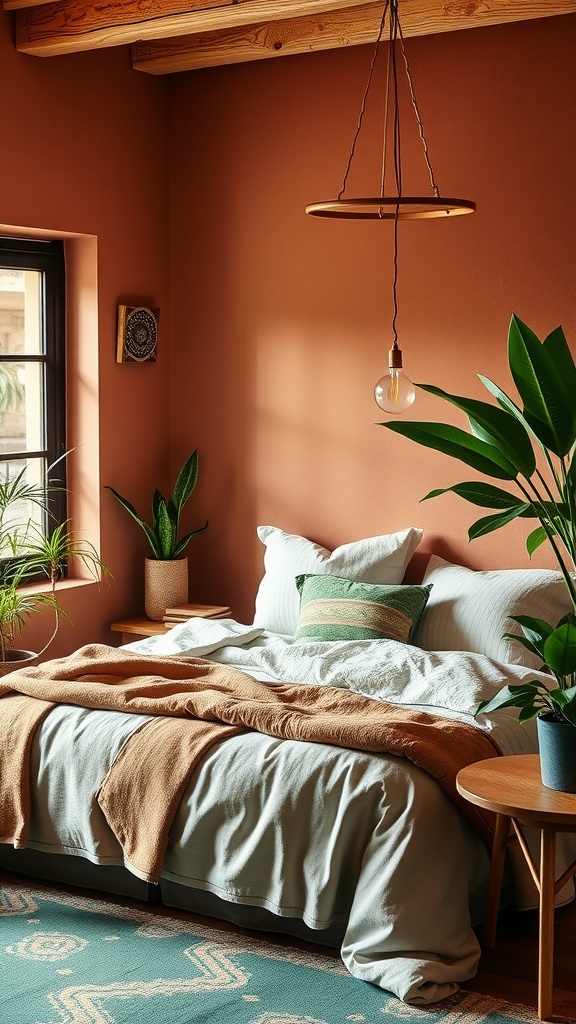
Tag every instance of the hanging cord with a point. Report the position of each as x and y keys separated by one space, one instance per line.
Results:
x=364 y=100
x=385 y=132
x=392 y=76
x=435 y=188
x=395 y=280
x=396 y=126
x=394 y=24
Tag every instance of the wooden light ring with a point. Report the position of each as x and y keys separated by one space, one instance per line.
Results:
x=392 y=208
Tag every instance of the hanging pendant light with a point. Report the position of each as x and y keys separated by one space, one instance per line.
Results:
x=394 y=392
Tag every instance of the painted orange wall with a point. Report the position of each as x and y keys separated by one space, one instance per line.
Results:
x=281 y=323
x=275 y=326
x=84 y=144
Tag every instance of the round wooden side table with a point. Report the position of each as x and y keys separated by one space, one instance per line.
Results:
x=511 y=787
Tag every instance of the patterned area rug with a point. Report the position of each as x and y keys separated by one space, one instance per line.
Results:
x=70 y=959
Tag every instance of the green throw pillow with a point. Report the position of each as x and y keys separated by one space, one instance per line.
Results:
x=332 y=608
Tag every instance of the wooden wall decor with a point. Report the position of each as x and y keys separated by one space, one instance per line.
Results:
x=137 y=334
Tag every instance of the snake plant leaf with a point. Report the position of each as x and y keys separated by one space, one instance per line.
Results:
x=186 y=481
x=478 y=493
x=457 y=443
x=560 y=650
x=548 y=405
x=186 y=540
x=141 y=522
x=165 y=528
x=495 y=426
x=161 y=508
x=488 y=524
x=162 y=533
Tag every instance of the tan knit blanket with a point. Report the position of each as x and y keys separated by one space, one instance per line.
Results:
x=196 y=704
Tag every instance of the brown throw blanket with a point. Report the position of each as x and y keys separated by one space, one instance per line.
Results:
x=197 y=703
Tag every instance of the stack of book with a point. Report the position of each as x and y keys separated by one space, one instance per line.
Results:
x=191 y=611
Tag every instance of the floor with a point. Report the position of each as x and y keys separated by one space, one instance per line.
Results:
x=509 y=971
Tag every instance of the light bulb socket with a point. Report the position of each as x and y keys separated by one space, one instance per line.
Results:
x=395 y=358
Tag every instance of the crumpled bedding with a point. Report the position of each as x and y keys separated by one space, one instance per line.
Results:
x=369 y=840
x=196 y=703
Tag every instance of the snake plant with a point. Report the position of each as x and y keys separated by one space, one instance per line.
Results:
x=162 y=532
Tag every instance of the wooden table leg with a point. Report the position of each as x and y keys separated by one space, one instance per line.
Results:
x=546 y=945
x=495 y=881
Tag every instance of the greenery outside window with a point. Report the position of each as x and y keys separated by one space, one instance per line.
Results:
x=32 y=369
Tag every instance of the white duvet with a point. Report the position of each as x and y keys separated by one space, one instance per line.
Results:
x=307 y=830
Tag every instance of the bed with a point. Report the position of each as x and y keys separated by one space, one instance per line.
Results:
x=364 y=850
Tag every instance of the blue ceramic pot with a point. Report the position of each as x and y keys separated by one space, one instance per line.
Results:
x=557 y=743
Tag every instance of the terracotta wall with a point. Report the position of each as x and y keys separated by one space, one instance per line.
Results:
x=281 y=323
x=275 y=326
x=84 y=150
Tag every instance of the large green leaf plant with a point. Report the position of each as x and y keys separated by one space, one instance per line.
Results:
x=163 y=530
x=529 y=444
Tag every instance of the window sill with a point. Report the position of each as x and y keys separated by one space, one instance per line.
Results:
x=71 y=583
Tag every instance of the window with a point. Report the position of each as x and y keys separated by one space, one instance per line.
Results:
x=32 y=363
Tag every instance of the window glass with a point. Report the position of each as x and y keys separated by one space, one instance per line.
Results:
x=32 y=351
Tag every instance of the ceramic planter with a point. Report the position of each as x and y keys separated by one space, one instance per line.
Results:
x=165 y=585
x=557 y=744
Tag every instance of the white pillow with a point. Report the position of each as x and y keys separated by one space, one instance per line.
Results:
x=469 y=610
x=374 y=560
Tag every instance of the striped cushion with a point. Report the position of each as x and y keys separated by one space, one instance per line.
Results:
x=332 y=608
x=469 y=610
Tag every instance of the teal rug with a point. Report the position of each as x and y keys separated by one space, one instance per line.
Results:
x=71 y=959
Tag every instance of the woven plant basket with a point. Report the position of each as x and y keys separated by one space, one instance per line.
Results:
x=17 y=659
x=165 y=585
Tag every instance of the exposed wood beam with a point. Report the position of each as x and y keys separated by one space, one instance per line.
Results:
x=255 y=42
x=14 y=5
x=68 y=26
x=329 y=31
x=181 y=35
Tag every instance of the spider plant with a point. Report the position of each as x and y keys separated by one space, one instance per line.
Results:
x=30 y=552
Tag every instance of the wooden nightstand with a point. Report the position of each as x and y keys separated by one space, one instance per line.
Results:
x=142 y=626
x=511 y=786
x=137 y=629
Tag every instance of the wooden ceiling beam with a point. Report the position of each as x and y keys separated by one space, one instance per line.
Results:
x=329 y=31
x=14 y=5
x=256 y=42
x=69 y=26
x=181 y=35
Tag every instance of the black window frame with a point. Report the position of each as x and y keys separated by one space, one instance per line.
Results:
x=47 y=257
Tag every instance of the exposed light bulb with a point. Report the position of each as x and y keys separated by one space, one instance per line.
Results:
x=394 y=392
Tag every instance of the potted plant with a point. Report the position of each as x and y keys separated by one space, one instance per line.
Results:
x=166 y=569
x=530 y=445
x=31 y=552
